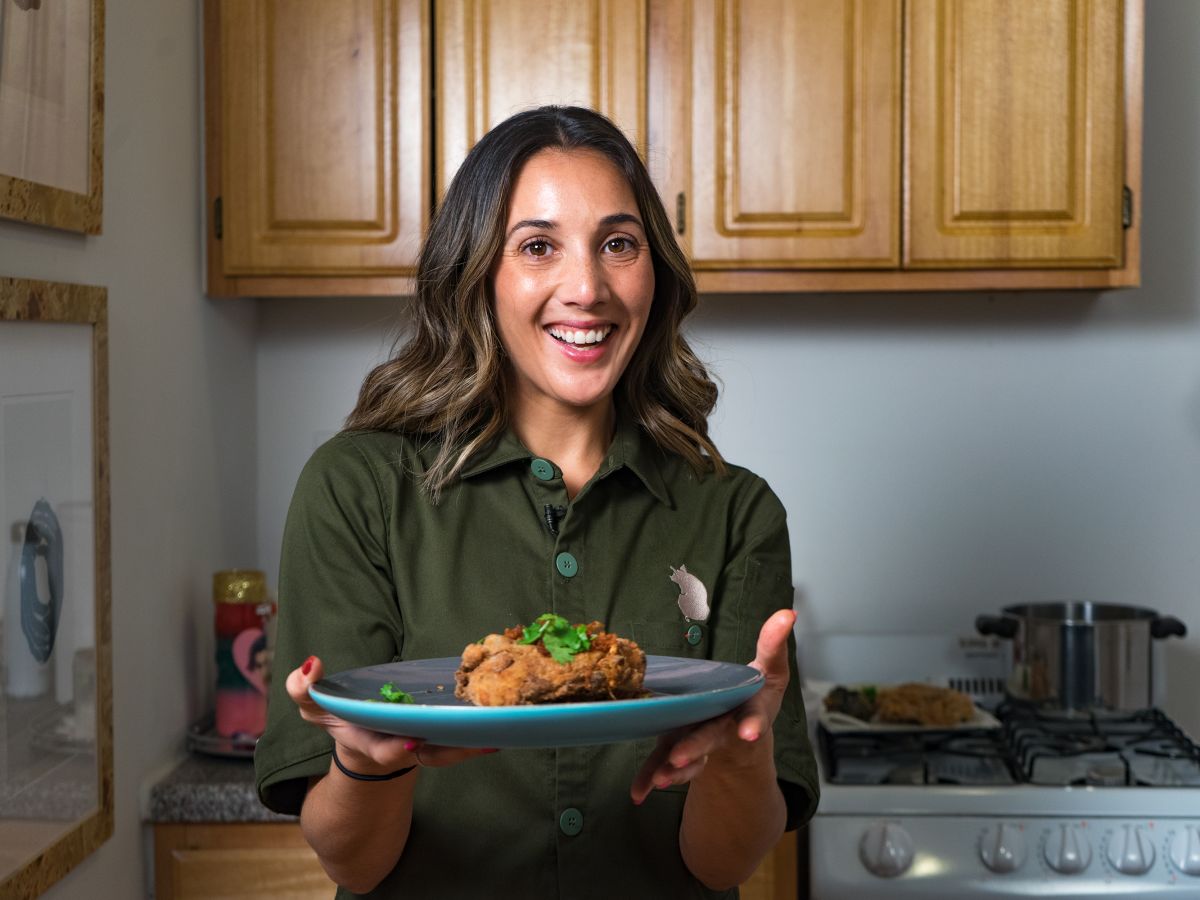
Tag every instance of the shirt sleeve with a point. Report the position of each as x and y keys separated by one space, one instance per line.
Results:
x=336 y=601
x=757 y=582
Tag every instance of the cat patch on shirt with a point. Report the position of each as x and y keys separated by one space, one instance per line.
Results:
x=693 y=596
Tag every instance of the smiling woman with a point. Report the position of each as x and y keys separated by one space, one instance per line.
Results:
x=573 y=288
x=539 y=443
x=507 y=203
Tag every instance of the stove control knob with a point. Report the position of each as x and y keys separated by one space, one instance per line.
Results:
x=1068 y=850
x=886 y=849
x=1185 y=850
x=1002 y=848
x=1131 y=852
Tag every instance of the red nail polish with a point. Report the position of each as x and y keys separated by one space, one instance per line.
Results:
x=410 y=746
x=308 y=663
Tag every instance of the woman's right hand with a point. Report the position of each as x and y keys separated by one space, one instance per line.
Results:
x=361 y=750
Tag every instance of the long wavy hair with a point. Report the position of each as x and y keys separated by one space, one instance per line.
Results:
x=447 y=382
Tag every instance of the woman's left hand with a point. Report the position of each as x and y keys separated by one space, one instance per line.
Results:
x=731 y=740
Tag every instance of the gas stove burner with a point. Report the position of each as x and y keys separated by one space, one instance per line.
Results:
x=916 y=757
x=1100 y=749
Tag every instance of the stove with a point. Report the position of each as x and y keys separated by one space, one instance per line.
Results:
x=1037 y=803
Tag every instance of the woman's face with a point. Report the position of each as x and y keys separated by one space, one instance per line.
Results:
x=574 y=281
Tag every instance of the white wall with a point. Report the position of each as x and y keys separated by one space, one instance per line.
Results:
x=939 y=455
x=181 y=374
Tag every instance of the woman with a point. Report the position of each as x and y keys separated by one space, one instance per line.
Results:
x=539 y=444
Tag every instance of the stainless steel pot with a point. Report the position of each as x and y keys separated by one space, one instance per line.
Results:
x=1080 y=656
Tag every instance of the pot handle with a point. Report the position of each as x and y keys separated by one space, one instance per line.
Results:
x=1167 y=626
x=1000 y=626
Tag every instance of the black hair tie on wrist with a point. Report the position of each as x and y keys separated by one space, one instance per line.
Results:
x=359 y=777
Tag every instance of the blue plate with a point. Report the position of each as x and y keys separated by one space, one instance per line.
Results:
x=682 y=691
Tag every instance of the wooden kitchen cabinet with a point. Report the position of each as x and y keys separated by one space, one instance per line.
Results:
x=777 y=876
x=1015 y=132
x=254 y=861
x=317 y=137
x=879 y=145
x=319 y=118
x=800 y=145
x=494 y=58
x=244 y=861
x=785 y=151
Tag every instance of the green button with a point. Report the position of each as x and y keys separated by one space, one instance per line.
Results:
x=694 y=635
x=566 y=565
x=571 y=821
x=542 y=469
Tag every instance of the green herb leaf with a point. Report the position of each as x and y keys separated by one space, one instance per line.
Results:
x=561 y=639
x=393 y=694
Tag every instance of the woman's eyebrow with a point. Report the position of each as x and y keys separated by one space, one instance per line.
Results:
x=621 y=219
x=540 y=224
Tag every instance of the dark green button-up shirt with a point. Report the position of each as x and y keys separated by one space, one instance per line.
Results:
x=373 y=572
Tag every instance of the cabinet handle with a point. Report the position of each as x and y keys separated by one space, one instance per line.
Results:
x=680 y=212
x=218 y=225
x=1126 y=207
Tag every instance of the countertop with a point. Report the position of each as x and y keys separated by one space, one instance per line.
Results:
x=209 y=789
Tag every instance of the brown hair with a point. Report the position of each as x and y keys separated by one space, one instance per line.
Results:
x=447 y=382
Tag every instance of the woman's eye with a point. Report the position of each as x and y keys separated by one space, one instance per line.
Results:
x=537 y=248
x=618 y=245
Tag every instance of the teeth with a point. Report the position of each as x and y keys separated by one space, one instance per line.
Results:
x=572 y=336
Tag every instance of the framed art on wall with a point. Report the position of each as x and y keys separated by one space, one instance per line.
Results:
x=52 y=112
x=56 y=765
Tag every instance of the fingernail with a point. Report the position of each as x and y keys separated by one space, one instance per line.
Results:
x=661 y=783
x=639 y=801
x=753 y=736
x=308 y=663
x=410 y=746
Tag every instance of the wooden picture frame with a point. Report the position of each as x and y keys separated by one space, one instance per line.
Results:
x=56 y=747
x=52 y=113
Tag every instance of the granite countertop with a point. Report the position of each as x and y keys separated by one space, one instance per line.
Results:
x=209 y=789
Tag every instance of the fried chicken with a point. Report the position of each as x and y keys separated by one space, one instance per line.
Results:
x=924 y=704
x=501 y=670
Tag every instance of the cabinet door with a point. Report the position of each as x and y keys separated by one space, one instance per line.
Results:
x=780 y=121
x=324 y=129
x=777 y=876
x=498 y=57
x=242 y=861
x=1015 y=133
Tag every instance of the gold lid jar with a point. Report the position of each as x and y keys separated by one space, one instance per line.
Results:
x=239 y=586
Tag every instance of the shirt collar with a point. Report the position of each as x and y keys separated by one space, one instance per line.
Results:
x=631 y=448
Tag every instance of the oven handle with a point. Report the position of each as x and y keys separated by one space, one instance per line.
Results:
x=1000 y=626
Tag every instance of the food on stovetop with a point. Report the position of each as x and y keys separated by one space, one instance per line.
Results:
x=550 y=661
x=858 y=703
x=912 y=703
x=924 y=704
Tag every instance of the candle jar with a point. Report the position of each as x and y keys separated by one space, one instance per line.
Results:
x=243 y=615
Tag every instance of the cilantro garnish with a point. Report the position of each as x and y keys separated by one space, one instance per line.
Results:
x=561 y=639
x=393 y=694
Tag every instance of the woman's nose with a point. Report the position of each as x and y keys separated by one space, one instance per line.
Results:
x=584 y=284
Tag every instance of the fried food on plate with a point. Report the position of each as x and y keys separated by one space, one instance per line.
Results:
x=924 y=704
x=550 y=661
